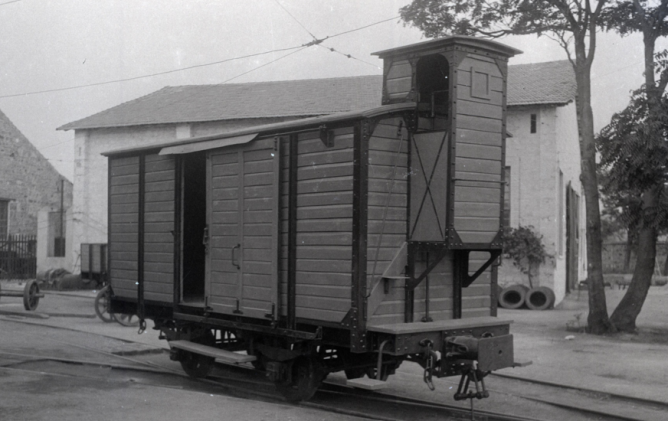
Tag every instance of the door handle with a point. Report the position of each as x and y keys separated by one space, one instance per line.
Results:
x=238 y=246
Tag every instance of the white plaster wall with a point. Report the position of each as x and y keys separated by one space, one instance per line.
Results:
x=535 y=160
x=44 y=262
x=568 y=157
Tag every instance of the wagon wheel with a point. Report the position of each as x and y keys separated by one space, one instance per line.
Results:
x=126 y=319
x=307 y=375
x=102 y=305
x=258 y=364
x=30 y=295
x=355 y=373
x=197 y=365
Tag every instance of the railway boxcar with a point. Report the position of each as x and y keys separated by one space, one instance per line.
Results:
x=349 y=242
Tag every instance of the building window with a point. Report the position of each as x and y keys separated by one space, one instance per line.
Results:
x=533 y=123
x=506 y=197
x=56 y=238
x=4 y=219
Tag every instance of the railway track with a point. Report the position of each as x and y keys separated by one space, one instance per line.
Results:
x=242 y=382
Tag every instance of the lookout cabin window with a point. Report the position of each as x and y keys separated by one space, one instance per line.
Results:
x=432 y=75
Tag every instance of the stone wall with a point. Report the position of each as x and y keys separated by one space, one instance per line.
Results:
x=27 y=180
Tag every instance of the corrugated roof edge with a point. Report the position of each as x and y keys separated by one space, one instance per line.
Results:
x=277 y=128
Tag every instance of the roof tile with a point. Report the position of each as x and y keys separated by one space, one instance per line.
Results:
x=528 y=84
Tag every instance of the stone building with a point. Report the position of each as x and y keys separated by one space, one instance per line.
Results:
x=541 y=119
x=30 y=185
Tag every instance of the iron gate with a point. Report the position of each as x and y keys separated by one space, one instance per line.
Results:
x=18 y=257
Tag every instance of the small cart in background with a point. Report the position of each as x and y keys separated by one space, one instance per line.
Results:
x=30 y=294
x=94 y=269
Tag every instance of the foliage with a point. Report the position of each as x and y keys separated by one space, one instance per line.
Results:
x=526 y=250
x=633 y=150
x=573 y=24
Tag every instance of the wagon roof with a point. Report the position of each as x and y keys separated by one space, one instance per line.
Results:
x=250 y=133
x=528 y=84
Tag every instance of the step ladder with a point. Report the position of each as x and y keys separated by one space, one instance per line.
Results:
x=367 y=383
x=227 y=357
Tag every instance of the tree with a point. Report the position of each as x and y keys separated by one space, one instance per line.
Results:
x=634 y=146
x=525 y=248
x=621 y=207
x=573 y=24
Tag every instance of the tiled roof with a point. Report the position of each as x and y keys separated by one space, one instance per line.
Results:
x=193 y=103
x=542 y=83
x=551 y=82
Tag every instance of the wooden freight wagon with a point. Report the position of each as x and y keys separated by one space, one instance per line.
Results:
x=351 y=242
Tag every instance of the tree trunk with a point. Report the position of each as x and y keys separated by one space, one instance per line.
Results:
x=625 y=315
x=627 y=252
x=597 y=320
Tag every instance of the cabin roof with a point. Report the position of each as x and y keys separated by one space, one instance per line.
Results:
x=462 y=40
x=528 y=84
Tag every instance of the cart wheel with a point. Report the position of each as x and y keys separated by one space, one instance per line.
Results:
x=30 y=298
x=307 y=375
x=196 y=365
x=102 y=305
x=126 y=319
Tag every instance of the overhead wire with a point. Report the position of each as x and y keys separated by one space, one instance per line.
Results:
x=363 y=27
x=295 y=19
x=348 y=56
x=9 y=2
x=180 y=69
x=263 y=65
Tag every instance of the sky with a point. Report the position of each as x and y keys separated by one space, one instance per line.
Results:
x=52 y=45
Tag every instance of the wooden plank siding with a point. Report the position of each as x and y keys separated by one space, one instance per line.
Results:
x=399 y=80
x=258 y=247
x=387 y=214
x=159 y=180
x=479 y=149
x=324 y=226
x=124 y=225
x=243 y=229
x=476 y=299
x=223 y=229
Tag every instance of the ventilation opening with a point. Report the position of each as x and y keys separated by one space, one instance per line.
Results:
x=432 y=77
x=194 y=225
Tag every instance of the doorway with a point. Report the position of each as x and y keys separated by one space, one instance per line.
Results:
x=572 y=237
x=193 y=229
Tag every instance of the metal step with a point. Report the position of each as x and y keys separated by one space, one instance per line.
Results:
x=367 y=383
x=228 y=357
